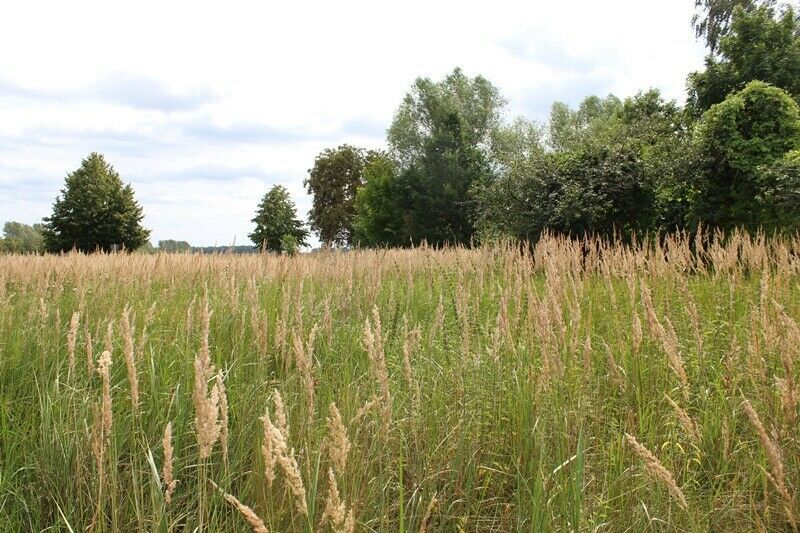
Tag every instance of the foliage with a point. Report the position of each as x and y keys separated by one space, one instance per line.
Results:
x=613 y=166
x=736 y=141
x=440 y=137
x=759 y=47
x=276 y=217
x=22 y=238
x=712 y=19
x=333 y=181
x=513 y=376
x=95 y=211
x=381 y=205
x=171 y=245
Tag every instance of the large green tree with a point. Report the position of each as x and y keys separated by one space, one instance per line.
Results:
x=740 y=141
x=95 y=211
x=276 y=218
x=440 y=137
x=760 y=45
x=333 y=182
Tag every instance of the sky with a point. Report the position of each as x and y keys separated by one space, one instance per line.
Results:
x=203 y=106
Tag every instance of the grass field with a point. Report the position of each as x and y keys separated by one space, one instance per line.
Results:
x=580 y=386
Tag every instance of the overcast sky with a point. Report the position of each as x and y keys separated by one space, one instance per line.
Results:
x=203 y=106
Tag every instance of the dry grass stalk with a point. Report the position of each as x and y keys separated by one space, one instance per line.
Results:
x=776 y=469
x=206 y=406
x=249 y=516
x=368 y=406
x=109 y=341
x=373 y=340
x=670 y=344
x=166 y=471
x=656 y=470
x=104 y=369
x=686 y=421
x=410 y=343
x=335 y=509
x=281 y=418
x=616 y=373
x=72 y=338
x=223 y=417
x=130 y=361
x=267 y=451
x=89 y=352
x=423 y=525
x=304 y=359
x=288 y=464
x=338 y=443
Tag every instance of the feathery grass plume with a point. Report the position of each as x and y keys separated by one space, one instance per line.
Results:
x=337 y=442
x=89 y=352
x=109 y=341
x=267 y=451
x=249 y=516
x=776 y=469
x=789 y=348
x=373 y=340
x=410 y=343
x=304 y=359
x=166 y=470
x=349 y=523
x=72 y=338
x=670 y=344
x=423 y=525
x=368 y=406
x=130 y=361
x=636 y=326
x=206 y=406
x=286 y=460
x=281 y=418
x=104 y=369
x=587 y=354
x=335 y=509
x=616 y=373
x=223 y=416
x=656 y=470
x=686 y=421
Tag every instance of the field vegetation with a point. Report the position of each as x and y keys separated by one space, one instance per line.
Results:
x=582 y=385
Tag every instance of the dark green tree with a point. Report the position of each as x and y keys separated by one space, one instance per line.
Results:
x=441 y=136
x=275 y=218
x=382 y=205
x=96 y=211
x=738 y=142
x=22 y=238
x=761 y=45
x=333 y=182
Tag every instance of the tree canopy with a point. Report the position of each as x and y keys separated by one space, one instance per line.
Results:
x=95 y=211
x=276 y=218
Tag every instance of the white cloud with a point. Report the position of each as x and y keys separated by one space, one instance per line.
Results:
x=203 y=105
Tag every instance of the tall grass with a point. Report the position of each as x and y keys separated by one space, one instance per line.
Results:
x=578 y=385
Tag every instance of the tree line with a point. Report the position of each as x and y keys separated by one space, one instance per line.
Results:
x=455 y=172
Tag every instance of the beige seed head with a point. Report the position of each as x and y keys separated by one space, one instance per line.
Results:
x=338 y=443
x=249 y=516
x=166 y=471
x=656 y=470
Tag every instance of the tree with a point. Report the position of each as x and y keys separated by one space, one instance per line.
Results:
x=275 y=218
x=758 y=47
x=171 y=245
x=712 y=19
x=334 y=180
x=381 y=205
x=440 y=137
x=738 y=141
x=22 y=238
x=95 y=211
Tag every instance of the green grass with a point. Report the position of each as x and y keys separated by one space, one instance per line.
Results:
x=521 y=434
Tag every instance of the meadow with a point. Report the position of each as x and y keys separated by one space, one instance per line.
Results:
x=569 y=386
